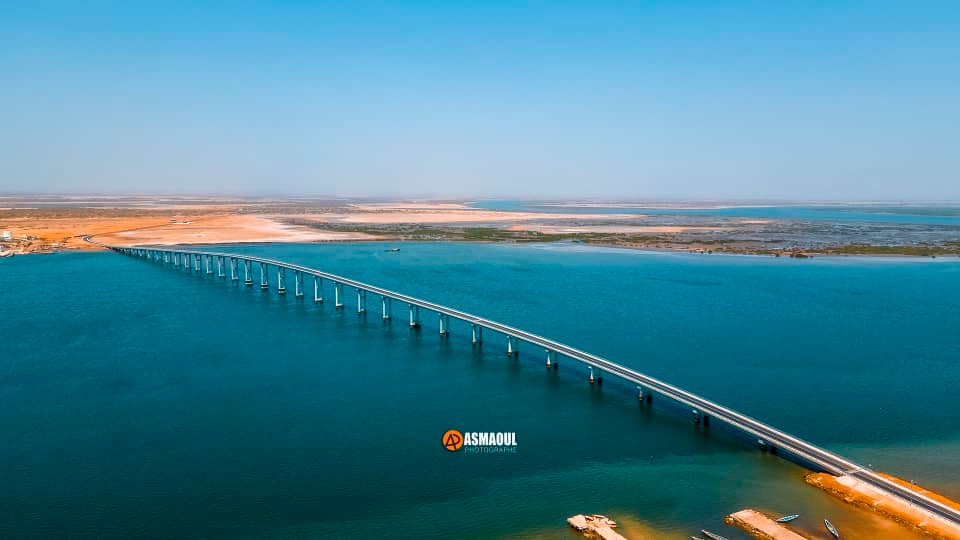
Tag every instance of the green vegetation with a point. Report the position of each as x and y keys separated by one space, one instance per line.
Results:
x=947 y=248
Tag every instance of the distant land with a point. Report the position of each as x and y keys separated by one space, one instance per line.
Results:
x=51 y=223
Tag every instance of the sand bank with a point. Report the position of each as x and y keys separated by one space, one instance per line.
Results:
x=761 y=526
x=612 y=229
x=595 y=526
x=227 y=229
x=409 y=205
x=391 y=214
x=66 y=233
x=864 y=495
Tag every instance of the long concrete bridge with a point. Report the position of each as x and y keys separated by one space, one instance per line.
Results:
x=231 y=265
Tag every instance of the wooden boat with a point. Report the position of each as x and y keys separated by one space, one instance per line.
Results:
x=833 y=530
x=392 y=249
x=711 y=535
x=786 y=519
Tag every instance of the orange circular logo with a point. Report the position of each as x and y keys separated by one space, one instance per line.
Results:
x=452 y=440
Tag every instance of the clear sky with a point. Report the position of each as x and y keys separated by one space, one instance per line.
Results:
x=643 y=99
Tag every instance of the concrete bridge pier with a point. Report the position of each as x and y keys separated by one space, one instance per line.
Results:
x=361 y=301
x=444 y=325
x=414 y=316
x=512 y=349
x=207 y=263
x=264 y=282
x=176 y=260
x=592 y=378
x=696 y=417
x=337 y=294
x=247 y=273
x=234 y=274
x=386 y=303
x=477 y=334
x=219 y=267
x=549 y=358
x=317 y=290
x=298 y=285
x=640 y=394
x=281 y=280
x=196 y=263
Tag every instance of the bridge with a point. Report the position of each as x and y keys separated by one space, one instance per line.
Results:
x=229 y=265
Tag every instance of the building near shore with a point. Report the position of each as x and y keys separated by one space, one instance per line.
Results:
x=6 y=236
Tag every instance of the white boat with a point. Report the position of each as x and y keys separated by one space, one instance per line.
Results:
x=711 y=535
x=833 y=530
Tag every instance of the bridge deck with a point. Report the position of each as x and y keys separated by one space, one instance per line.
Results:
x=828 y=461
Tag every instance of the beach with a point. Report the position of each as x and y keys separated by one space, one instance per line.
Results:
x=53 y=225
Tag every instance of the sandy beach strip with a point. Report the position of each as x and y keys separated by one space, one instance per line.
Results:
x=454 y=216
x=761 y=526
x=227 y=229
x=613 y=229
x=864 y=495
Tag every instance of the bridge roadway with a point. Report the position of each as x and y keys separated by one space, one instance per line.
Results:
x=828 y=461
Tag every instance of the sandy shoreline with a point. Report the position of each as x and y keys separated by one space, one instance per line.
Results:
x=861 y=494
x=53 y=228
x=225 y=230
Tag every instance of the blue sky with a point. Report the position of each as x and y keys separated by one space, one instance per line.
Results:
x=705 y=100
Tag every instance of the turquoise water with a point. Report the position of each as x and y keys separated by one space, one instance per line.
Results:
x=875 y=213
x=144 y=401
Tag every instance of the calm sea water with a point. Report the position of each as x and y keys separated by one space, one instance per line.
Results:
x=869 y=213
x=144 y=401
